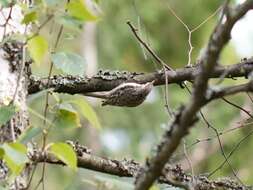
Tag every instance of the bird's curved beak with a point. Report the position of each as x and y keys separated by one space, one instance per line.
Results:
x=150 y=83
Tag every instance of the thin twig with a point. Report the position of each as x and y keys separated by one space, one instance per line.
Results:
x=7 y=21
x=220 y=134
x=166 y=95
x=190 y=31
x=207 y=19
x=32 y=175
x=148 y=48
x=224 y=155
x=45 y=132
x=213 y=137
x=251 y=99
x=189 y=34
x=231 y=152
x=158 y=60
x=189 y=163
x=40 y=27
x=237 y=106
x=140 y=21
x=219 y=140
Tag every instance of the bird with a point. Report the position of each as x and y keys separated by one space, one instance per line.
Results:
x=129 y=94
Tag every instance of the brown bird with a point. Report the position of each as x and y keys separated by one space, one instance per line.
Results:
x=128 y=94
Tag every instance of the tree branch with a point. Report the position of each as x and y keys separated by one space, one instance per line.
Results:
x=129 y=168
x=246 y=87
x=107 y=80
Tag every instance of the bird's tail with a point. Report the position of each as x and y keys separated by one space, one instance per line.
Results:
x=102 y=95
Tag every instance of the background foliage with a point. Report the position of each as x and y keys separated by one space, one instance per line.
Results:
x=129 y=132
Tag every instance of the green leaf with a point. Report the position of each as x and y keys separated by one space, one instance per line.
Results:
x=30 y=17
x=67 y=117
x=29 y=134
x=78 y=9
x=38 y=47
x=15 y=156
x=1 y=153
x=6 y=113
x=154 y=187
x=7 y=3
x=70 y=22
x=87 y=111
x=69 y=63
x=65 y=153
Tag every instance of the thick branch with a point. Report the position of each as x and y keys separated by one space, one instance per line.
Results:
x=187 y=116
x=129 y=168
x=109 y=80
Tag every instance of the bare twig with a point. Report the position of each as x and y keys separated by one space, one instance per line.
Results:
x=50 y=17
x=159 y=61
x=251 y=99
x=225 y=156
x=7 y=22
x=189 y=163
x=32 y=175
x=148 y=48
x=237 y=106
x=45 y=132
x=219 y=140
x=190 y=31
x=231 y=152
x=221 y=133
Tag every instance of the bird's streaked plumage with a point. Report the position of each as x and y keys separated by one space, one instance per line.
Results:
x=127 y=94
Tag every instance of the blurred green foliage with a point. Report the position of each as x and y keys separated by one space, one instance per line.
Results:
x=134 y=132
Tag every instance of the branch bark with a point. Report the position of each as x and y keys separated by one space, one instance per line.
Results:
x=13 y=86
x=107 y=80
x=13 y=91
x=129 y=168
x=230 y=90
